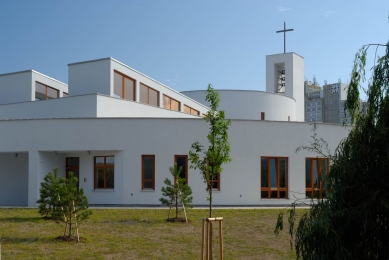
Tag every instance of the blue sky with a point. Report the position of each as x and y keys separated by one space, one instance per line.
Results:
x=188 y=44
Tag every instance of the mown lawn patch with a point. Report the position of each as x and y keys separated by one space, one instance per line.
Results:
x=142 y=234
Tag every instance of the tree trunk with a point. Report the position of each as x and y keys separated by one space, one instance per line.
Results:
x=176 y=206
x=210 y=223
x=70 y=226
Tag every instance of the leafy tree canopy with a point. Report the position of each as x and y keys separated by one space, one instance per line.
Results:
x=209 y=161
x=353 y=222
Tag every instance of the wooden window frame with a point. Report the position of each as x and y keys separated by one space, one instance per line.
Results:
x=46 y=90
x=72 y=168
x=269 y=189
x=153 y=178
x=190 y=110
x=123 y=85
x=186 y=165
x=105 y=171
x=170 y=108
x=312 y=189
x=217 y=181
x=148 y=94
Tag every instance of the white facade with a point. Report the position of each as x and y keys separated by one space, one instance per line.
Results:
x=250 y=104
x=36 y=136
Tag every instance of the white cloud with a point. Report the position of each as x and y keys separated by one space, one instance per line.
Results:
x=283 y=9
x=173 y=81
x=329 y=13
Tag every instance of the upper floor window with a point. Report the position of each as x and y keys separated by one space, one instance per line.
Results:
x=104 y=172
x=316 y=170
x=148 y=95
x=170 y=103
x=43 y=92
x=274 y=177
x=191 y=111
x=123 y=86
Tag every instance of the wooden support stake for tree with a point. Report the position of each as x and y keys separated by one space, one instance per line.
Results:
x=202 y=240
x=220 y=240
x=208 y=238
x=75 y=218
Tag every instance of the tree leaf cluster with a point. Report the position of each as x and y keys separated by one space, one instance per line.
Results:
x=353 y=222
x=209 y=160
x=176 y=191
x=63 y=200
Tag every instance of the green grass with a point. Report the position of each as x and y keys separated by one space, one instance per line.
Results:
x=142 y=234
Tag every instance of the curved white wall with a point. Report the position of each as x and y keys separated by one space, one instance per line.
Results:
x=248 y=104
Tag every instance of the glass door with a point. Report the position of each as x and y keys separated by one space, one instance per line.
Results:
x=73 y=165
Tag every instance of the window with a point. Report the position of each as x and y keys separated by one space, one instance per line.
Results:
x=148 y=95
x=65 y=94
x=170 y=103
x=316 y=170
x=73 y=165
x=148 y=172
x=274 y=177
x=215 y=183
x=182 y=161
x=43 y=92
x=191 y=111
x=262 y=115
x=123 y=86
x=104 y=172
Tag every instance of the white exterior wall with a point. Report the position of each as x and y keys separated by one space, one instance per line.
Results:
x=20 y=86
x=15 y=87
x=14 y=179
x=294 y=78
x=128 y=139
x=97 y=76
x=93 y=105
x=114 y=107
x=248 y=104
x=71 y=107
x=90 y=77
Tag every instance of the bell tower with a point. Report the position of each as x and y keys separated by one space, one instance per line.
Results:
x=285 y=76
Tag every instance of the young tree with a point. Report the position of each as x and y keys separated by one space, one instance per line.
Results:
x=352 y=223
x=49 y=193
x=218 y=152
x=176 y=191
x=72 y=207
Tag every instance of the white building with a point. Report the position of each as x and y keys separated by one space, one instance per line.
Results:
x=120 y=131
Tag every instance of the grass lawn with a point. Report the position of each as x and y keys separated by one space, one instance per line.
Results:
x=142 y=234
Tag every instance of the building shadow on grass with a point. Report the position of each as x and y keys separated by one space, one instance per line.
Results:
x=23 y=219
x=21 y=240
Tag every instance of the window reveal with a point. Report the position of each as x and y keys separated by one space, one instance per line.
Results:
x=104 y=172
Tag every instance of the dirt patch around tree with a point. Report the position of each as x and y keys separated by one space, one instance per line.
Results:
x=70 y=239
x=178 y=220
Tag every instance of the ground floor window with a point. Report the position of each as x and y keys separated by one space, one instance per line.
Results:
x=104 y=172
x=274 y=177
x=73 y=165
x=316 y=170
x=148 y=172
x=182 y=161
x=215 y=183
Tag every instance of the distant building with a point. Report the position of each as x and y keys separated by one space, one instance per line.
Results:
x=327 y=104
x=313 y=99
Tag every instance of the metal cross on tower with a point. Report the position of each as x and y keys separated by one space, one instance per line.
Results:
x=284 y=31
